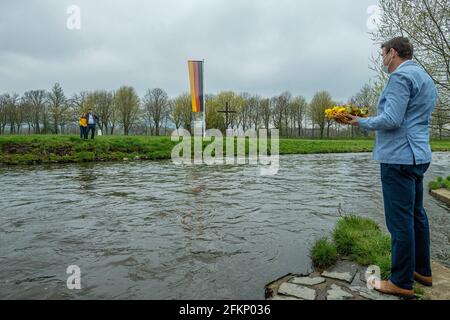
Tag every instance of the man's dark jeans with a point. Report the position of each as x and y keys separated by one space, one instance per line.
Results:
x=407 y=221
x=90 y=128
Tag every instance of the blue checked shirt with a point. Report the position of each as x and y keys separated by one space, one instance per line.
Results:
x=404 y=114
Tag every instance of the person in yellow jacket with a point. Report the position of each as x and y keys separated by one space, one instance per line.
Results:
x=83 y=126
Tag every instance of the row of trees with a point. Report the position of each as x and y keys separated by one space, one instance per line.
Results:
x=43 y=112
x=122 y=111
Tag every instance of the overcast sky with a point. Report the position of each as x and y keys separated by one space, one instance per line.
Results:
x=258 y=46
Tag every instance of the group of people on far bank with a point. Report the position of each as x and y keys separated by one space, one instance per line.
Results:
x=88 y=122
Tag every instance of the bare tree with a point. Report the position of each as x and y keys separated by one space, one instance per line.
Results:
x=427 y=24
x=36 y=102
x=321 y=101
x=440 y=119
x=255 y=111
x=127 y=104
x=58 y=108
x=3 y=112
x=266 y=112
x=78 y=104
x=298 y=108
x=12 y=101
x=181 y=112
x=114 y=118
x=214 y=119
x=280 y=111
x=366 y=98
x=285 y=101
x=243 y=116
x=156 y=105
x=102 y=103
x=235 y=103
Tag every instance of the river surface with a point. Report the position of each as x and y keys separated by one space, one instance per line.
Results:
x=154 y=230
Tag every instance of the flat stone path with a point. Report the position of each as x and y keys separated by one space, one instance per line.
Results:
x=346 y=281
x=441 y=283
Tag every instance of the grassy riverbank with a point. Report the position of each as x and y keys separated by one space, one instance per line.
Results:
x=35 y=149
x=360 y=240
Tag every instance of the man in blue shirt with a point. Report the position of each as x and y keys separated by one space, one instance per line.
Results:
x=403 y=149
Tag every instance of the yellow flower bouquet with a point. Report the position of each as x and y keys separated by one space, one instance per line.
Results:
x=341 y=114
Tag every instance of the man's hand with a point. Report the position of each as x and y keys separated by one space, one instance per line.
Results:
x=354 y=121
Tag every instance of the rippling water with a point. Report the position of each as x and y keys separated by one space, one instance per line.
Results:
x=153 y=230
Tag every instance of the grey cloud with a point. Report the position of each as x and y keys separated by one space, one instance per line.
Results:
x=264 y=47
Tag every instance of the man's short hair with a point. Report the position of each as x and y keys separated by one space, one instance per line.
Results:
x=402 y=45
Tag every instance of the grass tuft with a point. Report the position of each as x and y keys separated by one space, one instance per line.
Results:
x=440 y=183
x=360 y=240
x=323 y=253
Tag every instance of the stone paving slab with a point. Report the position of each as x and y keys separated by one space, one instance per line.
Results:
x=280 y=297
x=308 y=281
x=337 y=293
x=359 y=279
x=372 y=294
x=344 y=276
x=441 y=283
x=297 y=291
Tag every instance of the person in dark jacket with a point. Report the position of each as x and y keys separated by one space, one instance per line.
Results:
x=92 y=120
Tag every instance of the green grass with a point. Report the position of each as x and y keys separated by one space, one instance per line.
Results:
x=440 y=145
x=440 y=183
x=323 y=253
x=360 y=240
x=308 y=146
x=35 y=149
x=49 y=149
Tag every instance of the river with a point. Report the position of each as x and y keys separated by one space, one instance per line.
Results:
x=153 y=230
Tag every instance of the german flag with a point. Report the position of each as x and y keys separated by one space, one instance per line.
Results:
x=196 y=83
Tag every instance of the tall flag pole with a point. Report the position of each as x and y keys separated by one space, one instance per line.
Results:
x=197 y=83
x=204 y=98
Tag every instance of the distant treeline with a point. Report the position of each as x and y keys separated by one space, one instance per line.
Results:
x=123 y=112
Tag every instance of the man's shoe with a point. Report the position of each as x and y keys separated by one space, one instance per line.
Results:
x=387 y=287
x=426 y=281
